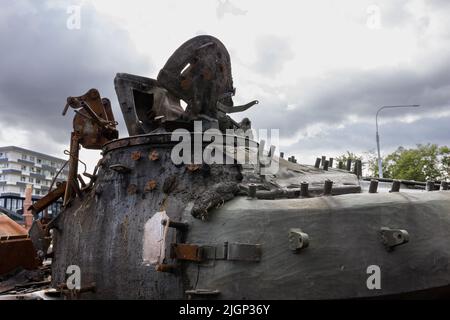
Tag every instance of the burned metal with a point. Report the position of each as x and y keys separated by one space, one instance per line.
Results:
x=150 y=186
x=93 y=126
x=16 y=247
x=48 y=199
x=201 y=230
x=136 y=155
x=154 y=155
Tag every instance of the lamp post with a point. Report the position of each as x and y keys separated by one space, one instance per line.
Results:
x=380 y=167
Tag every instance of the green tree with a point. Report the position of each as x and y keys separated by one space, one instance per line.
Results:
x=349 y=155
x=425 y=162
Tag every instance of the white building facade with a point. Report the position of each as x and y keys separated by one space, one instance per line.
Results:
x=21 y=167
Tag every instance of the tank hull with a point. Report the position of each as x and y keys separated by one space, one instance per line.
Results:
x=104 y=234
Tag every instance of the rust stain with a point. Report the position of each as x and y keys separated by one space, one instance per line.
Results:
x=150 y=186
x=132 y=189
x=136 y=155
x=154 y=155
x=192 y=167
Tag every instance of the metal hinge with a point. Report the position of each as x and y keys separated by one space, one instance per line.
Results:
x=225 y=251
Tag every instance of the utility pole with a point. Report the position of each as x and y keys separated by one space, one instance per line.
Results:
x=380 y=166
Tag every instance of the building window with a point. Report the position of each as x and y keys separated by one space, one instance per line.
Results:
x=31 y=158
x=38 y=181
x=1 y=154
x=4 y=165
x=32 y=169
x=38 y=192
x=22 y=190
x=38 y=171
x=24 y=157
x=24 y=168
x=39 y=161
x=30 y=180
x=52 y=164
x=23 y=179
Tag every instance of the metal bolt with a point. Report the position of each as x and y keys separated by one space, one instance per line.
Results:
x=395 y=186
x=252 y=191
x=349 y=164
x=304 y=189
x=317 y=164
x=328 y=186
x=373 y=186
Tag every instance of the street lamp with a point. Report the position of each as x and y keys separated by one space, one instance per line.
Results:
x=380 y=169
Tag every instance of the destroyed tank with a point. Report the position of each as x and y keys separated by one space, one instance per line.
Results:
x=149 y=227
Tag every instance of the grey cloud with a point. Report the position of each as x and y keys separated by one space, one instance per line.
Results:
x=355 y=93
x=225 y=6
x=360 y=138
x=272 y=54
x=42 y=62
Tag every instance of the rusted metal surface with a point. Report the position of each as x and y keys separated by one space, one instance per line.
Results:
x=16 y=248
x=154 y=155
x=189 y=252
x=93 y=126
x=193 y=167
x=94 y=123
x=132 y=189
x=135 y=156
x=150 y=186
x=9 y=228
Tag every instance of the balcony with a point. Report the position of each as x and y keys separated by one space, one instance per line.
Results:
x=12 y=171
x=48 y=168
x=30 y=163
x=37 y=176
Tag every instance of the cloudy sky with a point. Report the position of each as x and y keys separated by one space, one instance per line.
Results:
x=320 y=69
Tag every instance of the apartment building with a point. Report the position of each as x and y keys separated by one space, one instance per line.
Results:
x=19 y=168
